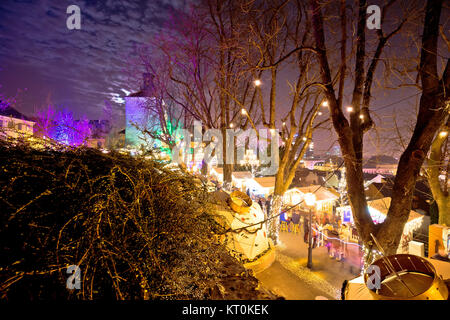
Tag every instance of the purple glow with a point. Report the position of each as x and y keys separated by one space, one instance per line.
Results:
x=62 y=127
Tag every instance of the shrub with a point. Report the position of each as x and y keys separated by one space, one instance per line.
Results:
x=136 y=229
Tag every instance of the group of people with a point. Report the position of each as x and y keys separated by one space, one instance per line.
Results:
x=264 y=203
x=325 y=230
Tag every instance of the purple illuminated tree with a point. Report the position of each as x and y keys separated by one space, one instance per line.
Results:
x=62 y=127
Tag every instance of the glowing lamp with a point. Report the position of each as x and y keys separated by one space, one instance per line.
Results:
x=310 y=199
x=296 y=198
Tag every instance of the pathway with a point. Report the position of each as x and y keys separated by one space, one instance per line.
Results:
x=289 y=277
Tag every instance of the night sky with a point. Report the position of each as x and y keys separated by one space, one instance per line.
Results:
x=80 y=69
x=76 y=69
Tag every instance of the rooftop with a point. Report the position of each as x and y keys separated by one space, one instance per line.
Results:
x=11 y=112
x=382 y=206
x=266 y=182
x=321 y=193
x=242 y=175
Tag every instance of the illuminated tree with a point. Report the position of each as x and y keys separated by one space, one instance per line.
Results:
x=438 y=164
x=196 y=70
x=274 y=29
x=433 y=110
x=62 y=127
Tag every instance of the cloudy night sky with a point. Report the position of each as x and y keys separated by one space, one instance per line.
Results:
x=80 y=69
x=76 y=69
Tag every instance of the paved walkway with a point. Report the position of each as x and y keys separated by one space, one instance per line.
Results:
x=289 y=277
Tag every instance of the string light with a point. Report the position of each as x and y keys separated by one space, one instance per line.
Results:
x=325 y=103
x=257 y=82
x=349 y=109
x=443 y=134
x=243 y=111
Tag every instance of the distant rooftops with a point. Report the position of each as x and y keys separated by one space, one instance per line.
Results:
x=11 y=112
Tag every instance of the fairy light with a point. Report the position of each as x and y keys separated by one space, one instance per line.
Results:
x=257 y=82
x=443 y=134
x=349 y=109
x=325 y=103
x=231 y=125
x=320 y=113
x=243 y=111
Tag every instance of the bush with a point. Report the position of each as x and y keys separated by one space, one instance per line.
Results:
x=136 y=229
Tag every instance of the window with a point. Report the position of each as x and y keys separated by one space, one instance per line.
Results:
x=19 y=126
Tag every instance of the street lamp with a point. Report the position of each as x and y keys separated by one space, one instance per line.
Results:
x=310 y=200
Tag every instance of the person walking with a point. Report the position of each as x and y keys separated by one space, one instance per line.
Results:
x=306 y=229
x=268 y=205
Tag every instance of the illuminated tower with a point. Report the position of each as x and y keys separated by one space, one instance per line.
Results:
x=137 y=113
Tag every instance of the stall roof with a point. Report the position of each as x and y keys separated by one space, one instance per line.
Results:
x=242 y=175
x=218 y=170
x=382 y=206
x=266 y=182
x=322 y=193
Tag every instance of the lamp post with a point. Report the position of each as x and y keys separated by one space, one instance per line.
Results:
x=310 y=200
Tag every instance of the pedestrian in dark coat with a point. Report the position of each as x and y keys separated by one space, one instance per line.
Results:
x=306 y=230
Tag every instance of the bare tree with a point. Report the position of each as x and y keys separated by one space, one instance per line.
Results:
x=275 y=29
x=203 y=75
x=432 y=112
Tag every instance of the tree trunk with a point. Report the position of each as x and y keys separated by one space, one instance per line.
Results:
x=435 y=163
x=227 y=167
x=432 y=111
x=274 y=222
